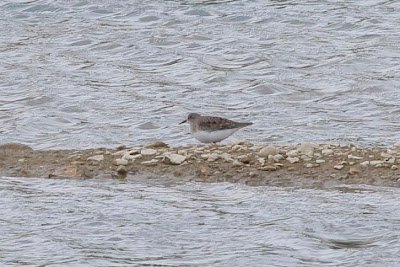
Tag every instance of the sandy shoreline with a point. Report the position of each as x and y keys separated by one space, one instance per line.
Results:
x=302 y=165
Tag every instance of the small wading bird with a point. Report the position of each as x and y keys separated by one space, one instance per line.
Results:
x=209 y=129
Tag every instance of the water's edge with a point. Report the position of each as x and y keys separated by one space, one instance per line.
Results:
x=304 y=165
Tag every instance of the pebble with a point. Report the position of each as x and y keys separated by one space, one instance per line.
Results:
x=293 y=160
x=175 y=159
x=262 y=161
x=354 y=157
x=244 y=158
x=227 y=157
x=277 y=157
x=394 y=167
x=338 y=167
x=305 y=158
x=327 y=152
x=237 y=163
x=364 y=163
x=121 y=162
x=306 y=149
x=292 y=153
x=268 y=150
x=319 y=161
x=128 y=156
x=269 y=168
x=157 y=144
x=148 y=152
x=354 y=170
x=120 y=147
x=280 y=165
x=96 y=158
x=309 y=165
x=150 y=162
x=213 y=157
x=376 y=163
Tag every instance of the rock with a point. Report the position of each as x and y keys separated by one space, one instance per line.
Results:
x=204 y=156
x=327 y=152
x=306 y=149
x=152 y=162
x=279 y=165
x=309 y=165
x=338 y=167
x=227 y=157
x=376 y=163
x=122 y=171
x=138 y=156
x=386 y=155
x=237 y=163
x=293 y=160
x=268 y=150
x=269 y=168
x=396 y=146
x=262 y=161
x=292 y=153
x=319 y=161
x=394 y=167
x=175 y=159
x=244 y=158
x=354 y=170
x=237 y=147
x=134 y=151
x=277 y=157
x=353 y=157
x=157 y=144
x=121 y=162
x=364 y=163
x=305 y=158
x=148 y=152
x=96 y=158
x=343 y=162
x=213 y=157
x=128 y=156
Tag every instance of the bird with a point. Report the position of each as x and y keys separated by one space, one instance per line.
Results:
x=209 y=129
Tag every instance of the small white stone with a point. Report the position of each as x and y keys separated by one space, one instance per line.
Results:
x=354 y=157
x=96 y=158
x=327 y=152
x=226 y=157
x=280 y=165
x=237 y=163
x=307 y=149
x=318 y=155
x=148 y=152
x=277 y=157
x=175 y=159
x=292 y=153
x=351 y=163
x=123 y=162
x=309 y=165
x=262 y=161
x=319 y=161
x=364 y=163
x=343 y=162
x=305 y=158
x=338 y=167
x=394 y=167
x=293 y=160
x=213 y=157
x=150 y=162
x=268 y=150
x=390 y=160
x=376 y=162
x=385 y=155
x=138 y=156
x=128 y=156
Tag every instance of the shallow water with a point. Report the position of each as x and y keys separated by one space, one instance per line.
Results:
x=79 y=74
x=98 y=222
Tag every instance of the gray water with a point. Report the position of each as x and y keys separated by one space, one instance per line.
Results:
x=45 y=222
x=79 y=74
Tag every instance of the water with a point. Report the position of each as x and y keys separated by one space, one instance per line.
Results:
x=79 y=74
x=107 y=222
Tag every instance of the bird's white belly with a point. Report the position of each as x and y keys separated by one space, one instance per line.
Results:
x=214 y=136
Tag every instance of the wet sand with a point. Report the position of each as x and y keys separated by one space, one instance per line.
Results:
x=301 y=165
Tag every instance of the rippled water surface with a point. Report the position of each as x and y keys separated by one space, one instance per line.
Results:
x=119 y=223
x=79 y=73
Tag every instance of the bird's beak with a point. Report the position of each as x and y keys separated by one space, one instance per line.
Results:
x=183 y=121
